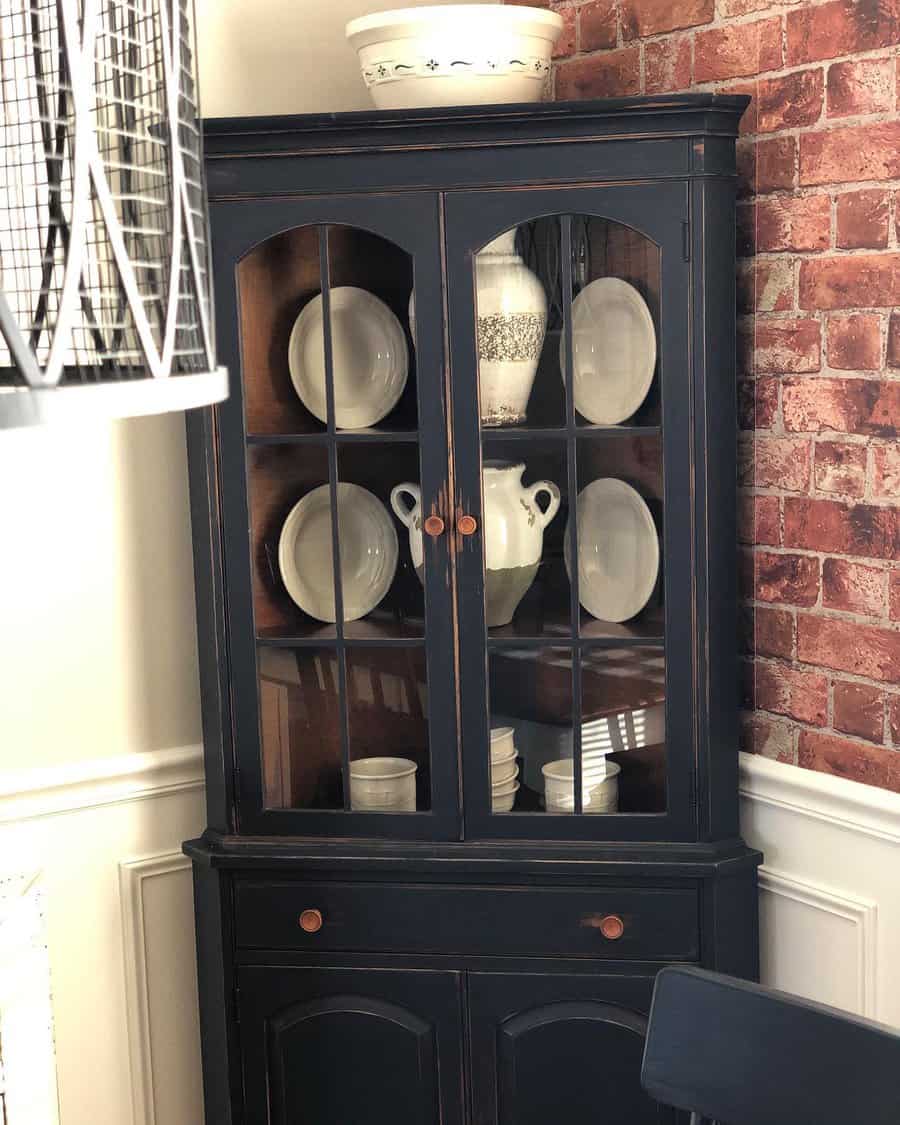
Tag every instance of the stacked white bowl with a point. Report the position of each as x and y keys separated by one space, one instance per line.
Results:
x=504 y=769
x=599 y=787
x=383 y=785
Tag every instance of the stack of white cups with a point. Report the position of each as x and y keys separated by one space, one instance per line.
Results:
x=504 y=769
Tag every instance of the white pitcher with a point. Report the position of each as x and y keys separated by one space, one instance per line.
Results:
x=513 y=533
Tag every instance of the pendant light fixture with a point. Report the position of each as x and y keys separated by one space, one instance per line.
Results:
x=105 y=290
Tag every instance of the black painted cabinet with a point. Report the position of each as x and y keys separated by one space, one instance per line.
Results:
x=332 y=1045
x=465 y=555
x=559 y=1047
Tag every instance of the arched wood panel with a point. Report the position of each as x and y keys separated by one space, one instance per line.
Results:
x=577 y=1062
x=327 y=1046
x=352 y=1058
x=560 y=1047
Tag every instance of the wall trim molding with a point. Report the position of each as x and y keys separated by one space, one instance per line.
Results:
x=26 y=794
x=821 y=796
x=133 y=873
x=861 y=913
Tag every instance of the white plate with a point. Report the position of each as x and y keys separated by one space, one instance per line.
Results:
x=618 y=550
x=614 y=342
x=370 y=359
x=368 y=546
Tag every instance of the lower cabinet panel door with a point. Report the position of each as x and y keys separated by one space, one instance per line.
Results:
x=566 y=1048
x=351 y=1046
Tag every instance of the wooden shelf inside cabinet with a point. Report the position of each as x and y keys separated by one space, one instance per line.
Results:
x=340 y=437
x=588 y=431
x=539 y=688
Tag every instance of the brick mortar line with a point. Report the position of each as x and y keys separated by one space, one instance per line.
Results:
x=887 y=52
x=826 y=612
x=801 y=724
x=830 y=728
x=803 y=191
x=839 y=253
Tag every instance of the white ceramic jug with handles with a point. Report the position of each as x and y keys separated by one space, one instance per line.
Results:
x=513 y=533
x=411 y=518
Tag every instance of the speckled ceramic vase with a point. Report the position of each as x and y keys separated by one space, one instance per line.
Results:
x=512 y=319
x=513 y=533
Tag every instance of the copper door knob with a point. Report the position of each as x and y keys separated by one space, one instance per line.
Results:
x=612 y=927
x=466 y=525
x=434 y=526
x=311 y=921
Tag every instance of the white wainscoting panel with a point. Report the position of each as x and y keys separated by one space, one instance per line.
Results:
x=829 y=888
x=161 y=989
x=797 y=915
x=121 y=965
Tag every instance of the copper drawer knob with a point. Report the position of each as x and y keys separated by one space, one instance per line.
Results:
x=434 y=526
x=612 y=927
x=311 y=921
x=466 y=525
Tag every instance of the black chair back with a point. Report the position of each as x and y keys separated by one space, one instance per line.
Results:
x=741 y=1054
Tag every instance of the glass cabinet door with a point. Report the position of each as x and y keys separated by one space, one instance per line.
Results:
x=569 y=314
x=343 y=665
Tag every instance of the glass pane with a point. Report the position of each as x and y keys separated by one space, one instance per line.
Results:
x=530 y=694
x=290 y=528
x=276 y=283
x=623 y=730
x=615 y=323
x=282 y=333
x=373 y=355
x=620 y=513
x=388 y=711
x=524 y=500
x=300 y=728
x=380 y=529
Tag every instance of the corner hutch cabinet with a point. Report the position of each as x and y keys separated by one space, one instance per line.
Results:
x=451 y=944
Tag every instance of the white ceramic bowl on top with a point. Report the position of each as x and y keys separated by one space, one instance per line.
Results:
x=368 y=548
x=383 y=785
x=455 y=54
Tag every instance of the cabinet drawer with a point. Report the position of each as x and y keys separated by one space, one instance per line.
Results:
x=656 y=924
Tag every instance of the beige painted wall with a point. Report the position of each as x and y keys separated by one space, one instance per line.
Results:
x=98 y=644
x=97 y=636
x=281 y=56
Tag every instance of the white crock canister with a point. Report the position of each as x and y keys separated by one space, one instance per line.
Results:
x=383 y=785
x=512 y=321
x=599 y=787
x=513 y=533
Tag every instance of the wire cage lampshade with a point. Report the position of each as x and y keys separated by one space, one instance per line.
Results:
x=105 y=286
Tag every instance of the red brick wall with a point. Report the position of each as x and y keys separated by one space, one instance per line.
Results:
x=819 y=344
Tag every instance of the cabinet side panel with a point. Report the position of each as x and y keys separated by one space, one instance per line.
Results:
x=222 y=1089
x=203 y=491
x=716 y=500
x=730 y=924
